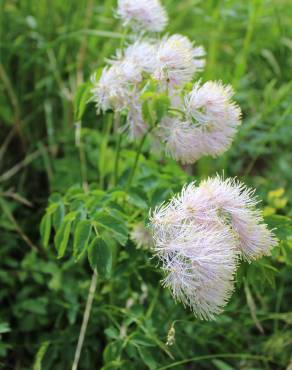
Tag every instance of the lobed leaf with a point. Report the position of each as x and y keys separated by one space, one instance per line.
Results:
x=100 y=257
x=81 y=238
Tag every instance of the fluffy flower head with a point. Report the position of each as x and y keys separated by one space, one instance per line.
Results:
x=216 y=116
x=199 y=258
x=180 y=140
x=148 y=15
x=237 y=206
x=141 y=236
x=199 y=236
x=115 y=85
x=178 y=60
x=210 y=102
x=209 y=126
x=142 y=54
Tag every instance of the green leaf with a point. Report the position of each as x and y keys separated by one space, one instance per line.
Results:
x=286 y=249
x=142 y=340
x=51 y=208
x=154 y=106
x=62 y=237
x=55 y=198
x=138 y=198
x=281 y=224
x=112 y=332
x=147 y=357
x=45 y=229
x=100 y=257
x=4 y=327
x=39 y=356
x=36 y=306
x=112 y=352
x=81 y=99
x=146 y=112
x=221 y=365
x=71 y=216
x=81 y=237
x=58 y=215
x=161 y=105
x=116 y=226
x=159 y=195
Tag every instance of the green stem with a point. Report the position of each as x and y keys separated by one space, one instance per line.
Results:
x=134 y=168
x=117 y=160
x=85 y=320
x=117 y=124
x=106 y=133
x=82 y=157
x=93 y=283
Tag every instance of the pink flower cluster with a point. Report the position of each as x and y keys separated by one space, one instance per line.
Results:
x=201 y=235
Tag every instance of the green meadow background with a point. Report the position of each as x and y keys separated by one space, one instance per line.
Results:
x=47 y=49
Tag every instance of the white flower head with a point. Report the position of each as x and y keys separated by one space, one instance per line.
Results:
x=180 y=140
x=216 y=116
x=148 y=15
x=178 y=60
x=141 y=236
x=115 y=86
x=237 y=206
x=135 y=122
x=142 y=53
x=198 y=236
x=199 y=259
x=131 y=73
x=106 y=91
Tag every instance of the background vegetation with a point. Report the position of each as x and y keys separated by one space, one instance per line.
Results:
x=48 y=48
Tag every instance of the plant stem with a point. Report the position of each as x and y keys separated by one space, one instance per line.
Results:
x=103 y=148
x=86 y=315
x=132 y=173
x=82 y=156
x=93 y=283
x=117 y=159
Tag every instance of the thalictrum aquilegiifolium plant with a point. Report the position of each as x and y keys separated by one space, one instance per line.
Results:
x=150 y=91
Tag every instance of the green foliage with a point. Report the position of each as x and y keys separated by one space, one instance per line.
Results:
x=48 y=51
x=81 y=99
x=100 y=256
x=87 y=217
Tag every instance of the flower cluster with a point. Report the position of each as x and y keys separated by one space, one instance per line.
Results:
x=210 y=124
x=146 y=15
x=200 y=236
x=208 y=118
